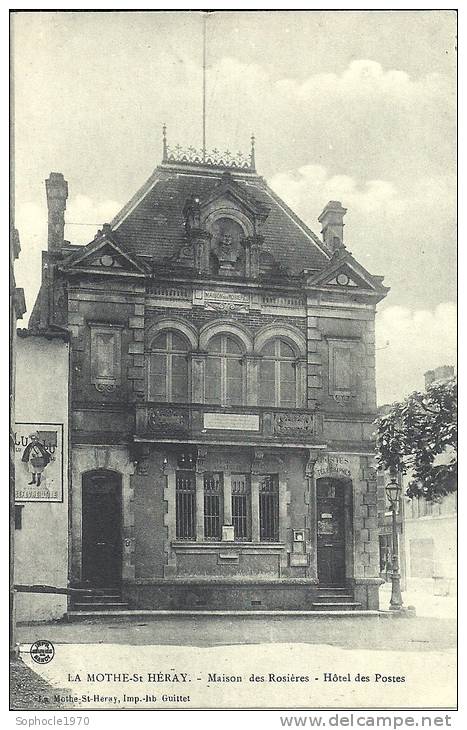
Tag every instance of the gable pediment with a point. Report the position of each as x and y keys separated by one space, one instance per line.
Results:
x=105 y=256
x=346 y=278
x=345 y=273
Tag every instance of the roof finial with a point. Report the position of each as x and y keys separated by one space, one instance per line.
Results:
x=164 y=143
x=252 y=153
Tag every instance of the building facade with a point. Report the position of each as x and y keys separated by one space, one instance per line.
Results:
x=427 y=530
x=222 y=394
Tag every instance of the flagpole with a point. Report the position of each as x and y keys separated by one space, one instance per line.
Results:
x=204 y=85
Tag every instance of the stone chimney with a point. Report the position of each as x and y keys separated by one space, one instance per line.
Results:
x=443 y=372
x=332 y=222
x=57 y=192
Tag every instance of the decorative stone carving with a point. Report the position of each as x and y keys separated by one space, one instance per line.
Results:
x=201 y=241
x=252 y=245
x=257 y=464
x=343 y=398
x=169 y=421
x=196 y=253
x=201 y=457
x=192 y=214
x=224 y=301
x=142 y=461
x=105 y=388
x=300 y=424
x=226 y=307
x=310 y=464
x=227 y=236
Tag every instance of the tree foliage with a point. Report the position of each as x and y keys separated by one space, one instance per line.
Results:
x=419 y=436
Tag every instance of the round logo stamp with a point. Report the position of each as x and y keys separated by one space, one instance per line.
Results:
x=42 y=652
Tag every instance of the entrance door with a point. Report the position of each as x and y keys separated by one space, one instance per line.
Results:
x=101 y=528
x=331 y=532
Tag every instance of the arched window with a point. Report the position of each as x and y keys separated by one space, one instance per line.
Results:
x=168 y=368
x=224 y=371
x=277 y=381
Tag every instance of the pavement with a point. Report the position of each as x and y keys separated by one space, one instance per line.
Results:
x=254 y=662
x=426 y=604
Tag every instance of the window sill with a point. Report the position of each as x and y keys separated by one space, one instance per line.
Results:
x=230 y=545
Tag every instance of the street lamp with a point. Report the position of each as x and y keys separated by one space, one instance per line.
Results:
x=393 y=491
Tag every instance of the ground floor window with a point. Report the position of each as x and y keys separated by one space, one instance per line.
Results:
x=269 y=508
x=241 y=510
x=185 y=495
x=213 y=505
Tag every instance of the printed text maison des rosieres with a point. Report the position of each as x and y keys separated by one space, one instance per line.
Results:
x=173 y=677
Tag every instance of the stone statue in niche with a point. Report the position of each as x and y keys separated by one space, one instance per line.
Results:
x=227 y=235
x=192 y=214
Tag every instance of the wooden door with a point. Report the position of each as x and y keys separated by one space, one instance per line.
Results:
x=331 y=532
x=102 y=529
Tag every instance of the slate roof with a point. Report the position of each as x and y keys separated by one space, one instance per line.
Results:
x=151 y=224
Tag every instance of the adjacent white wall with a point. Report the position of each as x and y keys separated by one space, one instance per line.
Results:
x=41 y=545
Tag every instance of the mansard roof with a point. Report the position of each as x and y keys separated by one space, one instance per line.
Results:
x=152 y=223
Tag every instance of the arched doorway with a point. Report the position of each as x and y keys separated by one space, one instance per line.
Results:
x=333 y=525
x=102 y=528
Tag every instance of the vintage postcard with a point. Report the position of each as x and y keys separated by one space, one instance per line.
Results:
x=233 y=445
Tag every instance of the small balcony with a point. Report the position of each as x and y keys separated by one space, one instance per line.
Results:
x=232 y=424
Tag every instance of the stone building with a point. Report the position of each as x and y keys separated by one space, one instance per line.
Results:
x=222 y=395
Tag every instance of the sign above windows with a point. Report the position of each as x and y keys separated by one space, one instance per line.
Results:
x=231 y=421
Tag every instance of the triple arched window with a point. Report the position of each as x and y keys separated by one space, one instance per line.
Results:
x=225 y=371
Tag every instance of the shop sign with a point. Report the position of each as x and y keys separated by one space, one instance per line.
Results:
x=332 y=464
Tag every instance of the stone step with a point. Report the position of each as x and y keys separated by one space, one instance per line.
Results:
x=101 y=606
x=98 y=590
x=337 y=606
x=100 y=597
x=76 y=616
x=331 y=588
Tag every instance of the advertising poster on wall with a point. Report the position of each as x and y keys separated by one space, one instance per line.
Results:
x=39 y=462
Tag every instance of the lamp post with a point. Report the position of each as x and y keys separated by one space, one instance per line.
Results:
x=393 y=492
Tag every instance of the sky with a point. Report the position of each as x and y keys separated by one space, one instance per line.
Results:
x=356 y=106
